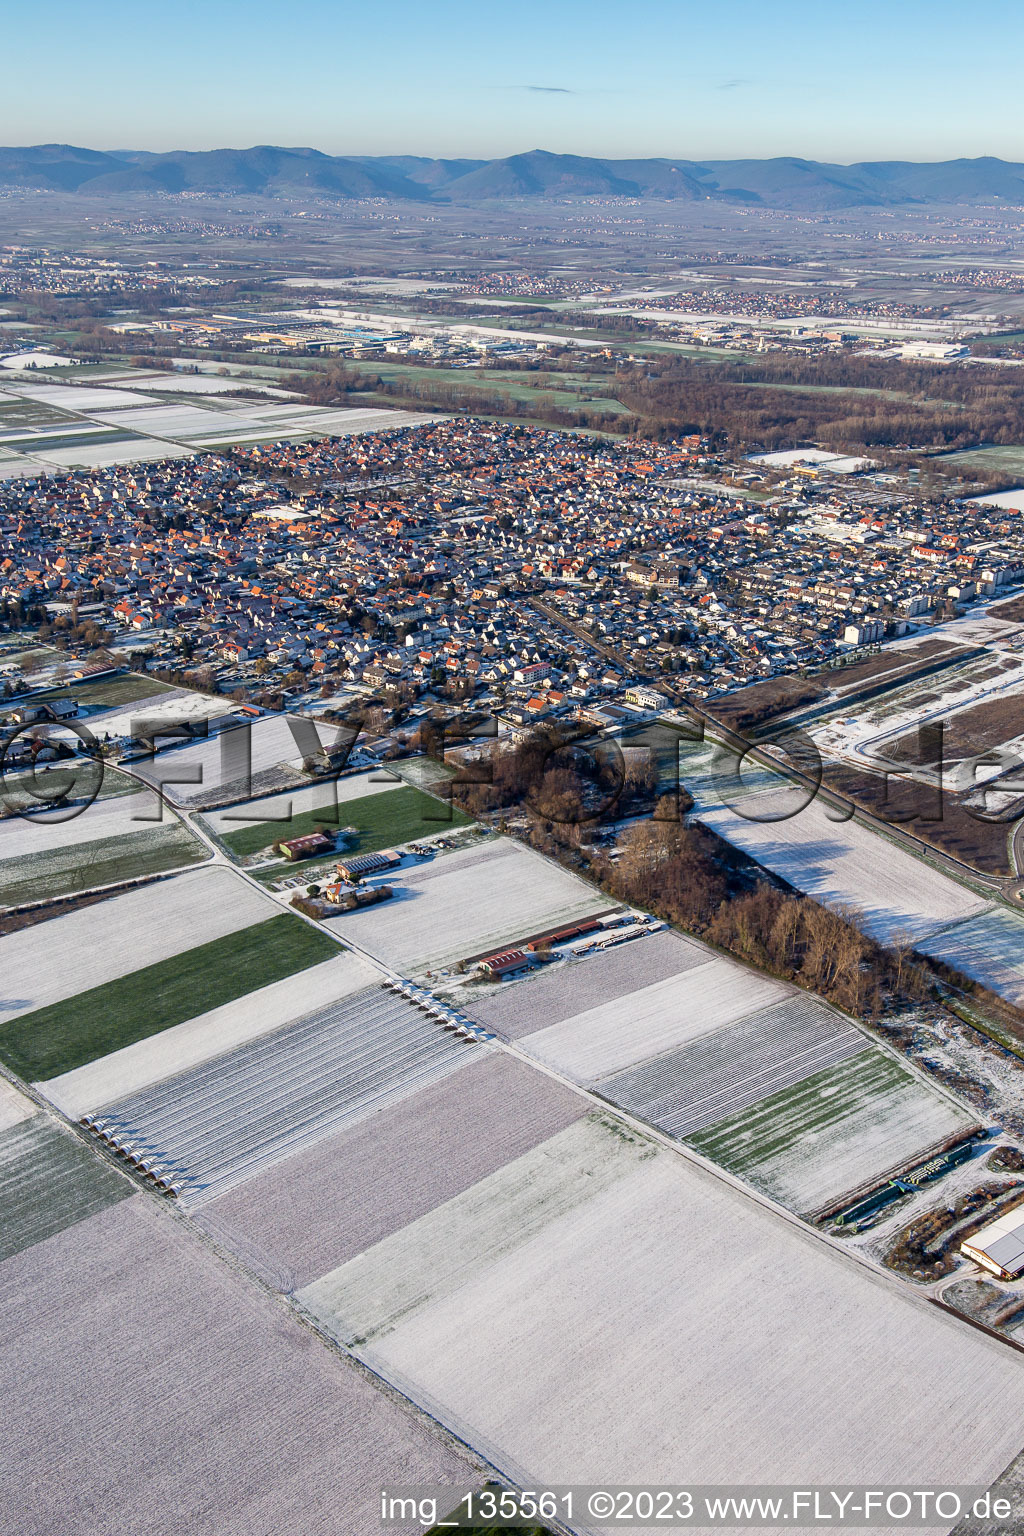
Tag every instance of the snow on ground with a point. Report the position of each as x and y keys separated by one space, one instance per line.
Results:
x=928 y=700
x=433 y=1256
x=327 y=1204
x=119 y=816
x=92 y=945
x=14 y=1106
x=197 y=384
x=322 y=796
x=990 y=948
x=723 y=1072
x=209 y=1035
x=279 y=1435
x=169 y=707
x=97 y=455
x=471 y=902
x=838 y=1129
x=615 y=1035
x=83 y=398
x=632 y=1304
x=523 y=1006
x=846 y=864
x=199 y=767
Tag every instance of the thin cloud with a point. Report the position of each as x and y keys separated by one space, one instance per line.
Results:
x=732 y=85
x=551 y=90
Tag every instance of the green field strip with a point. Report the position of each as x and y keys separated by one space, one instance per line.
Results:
x=382 y=820
x=767 y=1130
x=66 y=1035
x=83 y=866
x=48 y=1182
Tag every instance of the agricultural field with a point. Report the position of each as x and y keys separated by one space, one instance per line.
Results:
x=844 y=864
x=981 y=845
x=49 y=1181
x=91 y=424
x=94 y=945
x=722 y=1072
x=187 y=1354
x=470 y=902
x=381 y=821
x=316 y=801
x=523 y=1006
x=49 y=1041
x=113 y=839
x=988 y=948
x=181 y=1047
x=614 y=1282
x=14 y=1106
x=231 y=1118
x=214 y=769
x=857 y=1120
x=323 y=1206
x=710 y=993
x=111 y=693
x=151 y=702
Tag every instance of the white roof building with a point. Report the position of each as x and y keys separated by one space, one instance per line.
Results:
x=999 y=1247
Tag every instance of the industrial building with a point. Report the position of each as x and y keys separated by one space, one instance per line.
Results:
x=999 y=1247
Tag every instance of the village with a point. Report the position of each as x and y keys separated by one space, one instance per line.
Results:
x=537 y=573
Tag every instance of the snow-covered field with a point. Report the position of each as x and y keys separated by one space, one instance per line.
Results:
x=720 y=1073
x=321 y=796
x=470 y=902
x=200 y=1370
x=325 y=1205
x=858 y=1120
x=614 y=1035
x=523 y=1006
x=846 y=864
x=990 y=948
x=654 y=1326
x=189 y=772
x=85 y=948
x=119 y=816
x=174 y=707
x=14 y=1106
x=209 y=1035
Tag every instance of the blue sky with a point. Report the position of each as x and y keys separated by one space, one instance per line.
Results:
x=867 y=80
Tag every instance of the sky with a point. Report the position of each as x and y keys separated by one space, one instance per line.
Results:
x=868 y=80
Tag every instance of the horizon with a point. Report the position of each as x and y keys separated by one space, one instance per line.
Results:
x=342 y=154
x=796 y=82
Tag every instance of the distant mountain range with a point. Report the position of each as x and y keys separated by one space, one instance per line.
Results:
x=268 y=171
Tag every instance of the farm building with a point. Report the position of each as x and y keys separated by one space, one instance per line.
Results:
x=368 y=864
x=306 y=847
x=33 y=714
x=509 y=963
x=999 y=1247
x=562 y=935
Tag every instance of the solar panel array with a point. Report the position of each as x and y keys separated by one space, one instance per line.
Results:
x=207 y=1129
